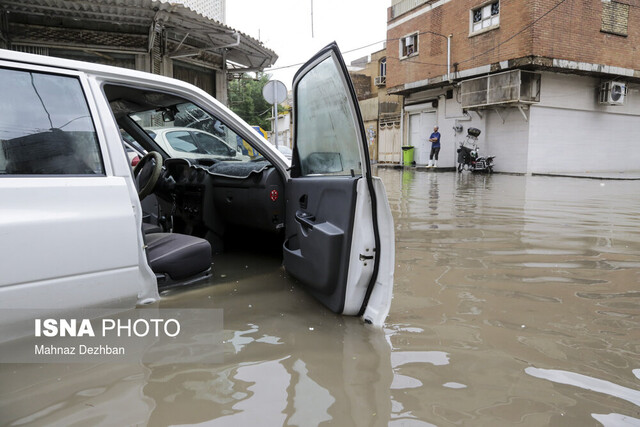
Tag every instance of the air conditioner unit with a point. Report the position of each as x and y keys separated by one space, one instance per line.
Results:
x=380 y=80
x=613 y=93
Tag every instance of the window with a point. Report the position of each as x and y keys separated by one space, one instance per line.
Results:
x=615 y=18
x=409 y=45
x=45 y=126
x=181 y=141
x=185 y=130
x=381 y=79
x=485 y=17
x=327 y=128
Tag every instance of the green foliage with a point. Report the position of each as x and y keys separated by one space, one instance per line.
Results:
x=246 y=100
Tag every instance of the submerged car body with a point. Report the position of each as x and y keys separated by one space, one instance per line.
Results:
x=72 y=236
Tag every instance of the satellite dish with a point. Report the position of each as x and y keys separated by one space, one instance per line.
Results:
x=274 y=92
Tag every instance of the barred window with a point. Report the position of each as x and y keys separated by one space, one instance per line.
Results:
x=485 y=17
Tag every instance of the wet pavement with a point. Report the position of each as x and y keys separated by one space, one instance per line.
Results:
x=516 y=302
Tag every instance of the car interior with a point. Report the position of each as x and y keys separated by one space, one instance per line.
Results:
x=202 y=202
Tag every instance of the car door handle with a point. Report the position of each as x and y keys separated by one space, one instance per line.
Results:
x=305 y=219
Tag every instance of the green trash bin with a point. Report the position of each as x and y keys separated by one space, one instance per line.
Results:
x=407 y=154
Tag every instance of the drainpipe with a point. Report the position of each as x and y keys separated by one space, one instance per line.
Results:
x=449 y=57
x=402 y=141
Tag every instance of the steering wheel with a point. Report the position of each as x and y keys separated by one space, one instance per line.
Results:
x=147 y=173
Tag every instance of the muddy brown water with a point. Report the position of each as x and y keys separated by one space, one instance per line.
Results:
x=516 y=302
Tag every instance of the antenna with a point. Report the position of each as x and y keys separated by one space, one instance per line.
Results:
x=311 y=18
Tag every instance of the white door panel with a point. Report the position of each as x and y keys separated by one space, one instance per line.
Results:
x=58 y=227
x=70 y=231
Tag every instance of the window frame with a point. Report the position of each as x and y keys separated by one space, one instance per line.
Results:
x=101 y=140
x=402 y=45
x=491 y=26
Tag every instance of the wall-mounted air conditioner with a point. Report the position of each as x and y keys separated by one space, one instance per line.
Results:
x=514 y=87
x=613 y=93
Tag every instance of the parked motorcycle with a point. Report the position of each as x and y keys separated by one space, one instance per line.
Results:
x=469 y=156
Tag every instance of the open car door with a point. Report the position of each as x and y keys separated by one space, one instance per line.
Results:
x=339 y=229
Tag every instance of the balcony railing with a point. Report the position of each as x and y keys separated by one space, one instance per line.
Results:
x=405 y=6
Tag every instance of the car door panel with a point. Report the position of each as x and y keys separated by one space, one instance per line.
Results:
x=333 y=244
x=319 y=234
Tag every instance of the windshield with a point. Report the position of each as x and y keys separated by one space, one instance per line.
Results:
x=187 y=131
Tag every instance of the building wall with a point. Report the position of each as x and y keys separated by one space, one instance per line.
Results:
x=376 y=105
x=452 y=17
x=571 y=132
x=568 y=131
x=213 y=9
x=562 y=34
x=508 y=140
x=523 y=31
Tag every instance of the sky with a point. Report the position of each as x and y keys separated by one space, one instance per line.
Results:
x=284 y=26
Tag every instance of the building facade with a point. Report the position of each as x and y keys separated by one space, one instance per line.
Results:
x=554 y=85
x=380 y=110
x=212 y=9
x=185 y=39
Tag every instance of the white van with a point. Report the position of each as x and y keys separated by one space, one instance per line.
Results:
x=73 y=231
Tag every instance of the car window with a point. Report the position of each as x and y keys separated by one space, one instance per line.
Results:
x=181 y=141
x=211 y=144
x=45 y=126
x=326 y=135
x=194 y=133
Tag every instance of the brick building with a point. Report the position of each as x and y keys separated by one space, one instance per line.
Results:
x=553 y=84
x=380 y=110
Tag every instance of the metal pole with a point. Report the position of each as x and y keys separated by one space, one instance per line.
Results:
x=311 y=18
x=275 y=114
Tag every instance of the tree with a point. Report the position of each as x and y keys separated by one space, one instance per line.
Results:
x=246 y=100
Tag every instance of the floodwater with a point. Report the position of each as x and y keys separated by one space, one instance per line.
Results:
x=516 y=302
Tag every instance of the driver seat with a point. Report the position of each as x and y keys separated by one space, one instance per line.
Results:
x=176 y=259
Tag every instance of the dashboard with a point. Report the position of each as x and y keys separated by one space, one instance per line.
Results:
x=208 y=196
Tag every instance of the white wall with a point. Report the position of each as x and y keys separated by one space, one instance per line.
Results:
x=508 y=140
x=567 y=131
x=571 y=132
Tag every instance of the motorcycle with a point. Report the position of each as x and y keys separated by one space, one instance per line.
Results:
x=469 y=156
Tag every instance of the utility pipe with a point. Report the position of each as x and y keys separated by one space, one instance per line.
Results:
x=449 y=57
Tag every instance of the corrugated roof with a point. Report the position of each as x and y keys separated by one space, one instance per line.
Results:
x=137 y=16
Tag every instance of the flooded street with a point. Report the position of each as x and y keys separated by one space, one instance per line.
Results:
x=516 y=302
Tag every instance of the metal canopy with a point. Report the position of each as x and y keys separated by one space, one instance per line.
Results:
x=188 y=34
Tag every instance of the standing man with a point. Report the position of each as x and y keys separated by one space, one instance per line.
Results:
x=435 y=148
